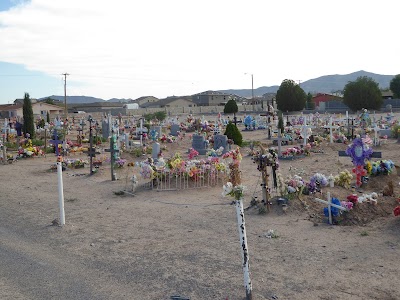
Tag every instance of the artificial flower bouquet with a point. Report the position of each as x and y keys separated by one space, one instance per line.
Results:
x=234 y=191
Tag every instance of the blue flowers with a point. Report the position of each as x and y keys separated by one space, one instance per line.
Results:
x=335 y=211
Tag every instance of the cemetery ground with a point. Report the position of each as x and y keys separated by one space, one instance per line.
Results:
x=157 y=244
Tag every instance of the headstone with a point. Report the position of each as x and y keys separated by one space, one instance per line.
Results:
x=105 y=128
x=18 y=128
x=174 y=129
x=199 y=144
x=155 y=150
x=221 y=141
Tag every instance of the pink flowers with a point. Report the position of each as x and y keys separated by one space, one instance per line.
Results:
x=193 y=153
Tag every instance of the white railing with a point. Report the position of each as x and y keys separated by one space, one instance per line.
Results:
x=170 y=181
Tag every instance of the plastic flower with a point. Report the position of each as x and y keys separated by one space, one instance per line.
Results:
x=227 y=189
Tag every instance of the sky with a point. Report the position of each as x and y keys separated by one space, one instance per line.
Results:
x=129 y=49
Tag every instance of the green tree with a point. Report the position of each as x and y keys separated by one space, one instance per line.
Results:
x=48 y=100
x=395 y=86
x=280 y=122
x=362 y=93
x=310 y=104
x=29 y=122
x=233 y=133
x=290 y=96
x=160 y=115
x=231 y=108
x=48 y=117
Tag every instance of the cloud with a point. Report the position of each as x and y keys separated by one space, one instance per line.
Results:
x=133 y=48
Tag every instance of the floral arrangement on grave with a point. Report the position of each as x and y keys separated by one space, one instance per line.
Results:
x=233 y=187
x=153 y=135
x=215 y=153
x=359 y=153
x=294 y=152
x=339 y=138
x=234 y=157
x=343 y=179
x=381 y=167
x=75 y=163
x=317 y=181
x=294 y=186
x=177 y=166
x=193 y=153
x=98 y=160
x=28 y=150
x=119 y=163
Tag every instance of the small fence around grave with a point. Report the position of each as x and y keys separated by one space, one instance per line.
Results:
x=168 y=180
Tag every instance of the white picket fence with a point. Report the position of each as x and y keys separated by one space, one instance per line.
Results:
x=170 y=181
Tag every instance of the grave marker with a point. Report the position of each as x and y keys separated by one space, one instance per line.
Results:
x=174 y=129
x=330 y=205
x=221 y=141
x=331 y=127
x=155 y=152
x=113 y=151
x=55 y=142
x=199 y=144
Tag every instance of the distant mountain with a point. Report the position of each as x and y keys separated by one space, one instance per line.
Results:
x=323 y=84
x=84 y=99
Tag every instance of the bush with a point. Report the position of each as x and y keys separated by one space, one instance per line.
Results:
x=395 y=131
x=36 y=142
x=233 y=133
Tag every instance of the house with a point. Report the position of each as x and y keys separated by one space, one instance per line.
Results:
x=40 y=110
x=212 y=98
x=105 y=106
x=184 y=101
x=145 y=99
x=387 y=94
x=321 y=99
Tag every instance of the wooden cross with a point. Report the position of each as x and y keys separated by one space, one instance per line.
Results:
x=112 y=151
x=55 y=142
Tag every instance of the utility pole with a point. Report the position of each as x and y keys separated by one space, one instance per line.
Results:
x=65 y=96
x=65 y=113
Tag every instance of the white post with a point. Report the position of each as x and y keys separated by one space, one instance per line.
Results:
x=109 y=125
x=329 y=207
x=305 y=135
x=243 y=246
x=330 y=130
x=60 y=193
x=141 y=131
x=4 y=150
x=347 y=114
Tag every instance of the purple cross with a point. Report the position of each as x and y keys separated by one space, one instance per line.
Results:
x=55 y=142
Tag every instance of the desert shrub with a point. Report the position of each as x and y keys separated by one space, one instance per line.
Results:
x=395 y=131
x=233 y=133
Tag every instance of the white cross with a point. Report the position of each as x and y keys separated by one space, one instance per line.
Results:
x=376 y=139
x=331 y=126
x=304 y=133
x=280 y=139
x=330 y=204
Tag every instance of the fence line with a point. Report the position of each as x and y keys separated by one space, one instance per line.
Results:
x=166 y=180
